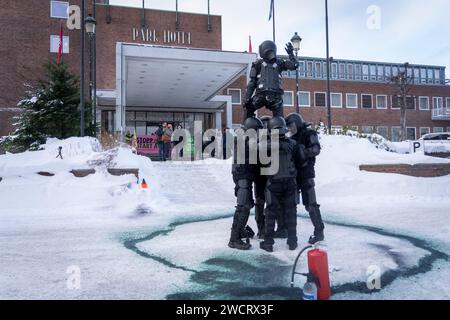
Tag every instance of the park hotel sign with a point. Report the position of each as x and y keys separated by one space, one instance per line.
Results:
x=162 y=37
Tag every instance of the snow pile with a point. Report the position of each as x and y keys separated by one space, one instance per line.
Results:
x=50 y=223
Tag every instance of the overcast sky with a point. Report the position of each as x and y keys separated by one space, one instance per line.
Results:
x=417 y=31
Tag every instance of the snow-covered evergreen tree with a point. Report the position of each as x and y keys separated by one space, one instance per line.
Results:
x=51 y=109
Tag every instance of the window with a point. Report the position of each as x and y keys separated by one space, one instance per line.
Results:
x=423 y=75
x=288 y=99
x=130 y=115
x=366 y=101
x=430 y=75
x=367 y=129
x=320 y=99
x=447 y=104
x=334 y=70
x=352 y=100
x=396 y=134
x=318 y=70
x=141 y=116
x=438 y=130
x=409 y=72
x=424 y=131
x=383 y=131
x=411 y=133
x=437 y=103
x=373 y=72
x=336 y=100
x=437 y=76
x=358 y=72
x=395 y=71
x=235 y=95
x=410 y=103
x=349 y=71
x=365 y=71
x=424 y=103
x=387 y=71
x=416 y=75
x=381 y=101
x=58 y=9
x=341 y=70
x=380 y=73
x=304 y=99
x=336 y=129
x=301 y=68
x=397 y=102
x=309 y=69
x=54 y=44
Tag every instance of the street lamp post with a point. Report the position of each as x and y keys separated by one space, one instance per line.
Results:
x=328 y=68
x=90 y=30
x=82 y=71
x=296 y=40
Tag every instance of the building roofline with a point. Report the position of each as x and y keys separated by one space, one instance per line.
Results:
x=368 y=62
x=150 y=9
x=184 y=48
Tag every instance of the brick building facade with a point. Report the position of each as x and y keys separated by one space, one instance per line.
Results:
x=361 y=96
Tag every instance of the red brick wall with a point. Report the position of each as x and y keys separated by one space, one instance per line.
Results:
x=417 y=170
x=26 y=27
x=25 y=39
x=120 y=30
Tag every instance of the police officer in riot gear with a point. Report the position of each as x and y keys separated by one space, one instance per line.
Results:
x=281 y=190
x=308 y=148
x=265 y=78
x=244 y=174
x=260 y=187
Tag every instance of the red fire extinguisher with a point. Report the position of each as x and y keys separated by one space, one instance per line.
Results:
x=318 y=265
x=318 y=268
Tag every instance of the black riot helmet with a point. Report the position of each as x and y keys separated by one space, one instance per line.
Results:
x=296 y=123
x=253 y=123
x=278 y=123
x=268 y=51
x=265 y=120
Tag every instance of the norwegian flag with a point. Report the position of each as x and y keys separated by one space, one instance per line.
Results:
x=60 y=48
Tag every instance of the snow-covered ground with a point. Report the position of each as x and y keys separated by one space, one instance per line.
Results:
x=169 y=241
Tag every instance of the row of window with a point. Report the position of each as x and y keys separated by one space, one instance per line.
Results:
x=361 y=71
x=366 y=101
x=392 y=133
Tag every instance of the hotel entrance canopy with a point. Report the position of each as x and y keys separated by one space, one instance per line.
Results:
x=174 y=79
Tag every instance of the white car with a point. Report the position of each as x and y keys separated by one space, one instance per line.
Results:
x=436 y=142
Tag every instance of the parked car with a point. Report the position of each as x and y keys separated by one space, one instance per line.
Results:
x=443 y=136
x=437 y=143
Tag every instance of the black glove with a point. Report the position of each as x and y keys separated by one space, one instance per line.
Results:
x=290 y=49
x=301 y=154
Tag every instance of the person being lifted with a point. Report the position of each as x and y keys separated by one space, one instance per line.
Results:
x=265 y=80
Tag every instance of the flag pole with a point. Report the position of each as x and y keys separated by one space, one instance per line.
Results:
x=273 y=17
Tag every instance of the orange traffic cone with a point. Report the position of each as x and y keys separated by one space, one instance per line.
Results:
x=144 y=184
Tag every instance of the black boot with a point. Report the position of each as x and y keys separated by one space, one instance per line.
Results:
x=239 y=244
x=266 y=246
x=292 y=246
x=317 y=236
x=316 y=219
